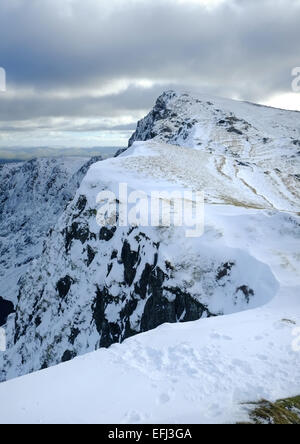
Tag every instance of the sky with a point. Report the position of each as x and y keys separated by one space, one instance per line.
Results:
x=81 y=73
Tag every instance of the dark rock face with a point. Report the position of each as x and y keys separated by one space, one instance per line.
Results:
x=77 y=231
x=232 y=129
x=63 y=286
x=110 y=332
x=68 y=356
x=6 y=308
x=141 y=287
x=150 y=282
x=130 y=259
x=80 y=205
x=164 y=303
x=145 y=127
x=225 y=270
x=74 y=333
x=91 y=253
x=248 y=292
x=107 y=233
x=120 y=151
x=159 y=309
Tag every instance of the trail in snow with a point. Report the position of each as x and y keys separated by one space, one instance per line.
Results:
x=197 y=372
x=197 y=170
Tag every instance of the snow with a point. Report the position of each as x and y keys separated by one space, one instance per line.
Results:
x=198 y=372
x=202 y=371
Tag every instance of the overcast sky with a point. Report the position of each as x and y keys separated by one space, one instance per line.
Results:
x=80 y=73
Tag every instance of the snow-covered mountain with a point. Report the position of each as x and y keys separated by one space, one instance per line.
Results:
x=248 y=149
x=94 y=286
x=32 y=197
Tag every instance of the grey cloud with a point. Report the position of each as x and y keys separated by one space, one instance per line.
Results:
x=128 y=101
x=243 y=48
x=40 y=46
x=17 y=153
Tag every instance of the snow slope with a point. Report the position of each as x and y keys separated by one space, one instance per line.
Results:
x=247 y=146
x=94 y=287
x=198 y=372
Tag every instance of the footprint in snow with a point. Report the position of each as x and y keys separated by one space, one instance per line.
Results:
x=164 y=398
x=132 y=417
x=215 y=336
x=263 y=357
x=227 y=338
x=243 y=365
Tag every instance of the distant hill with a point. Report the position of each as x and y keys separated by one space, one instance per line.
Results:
x=14 y=154
x=9 y=161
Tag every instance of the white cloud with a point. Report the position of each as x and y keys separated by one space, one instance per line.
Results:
x=68 y=60
x=210 y=4
x=289 y=101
